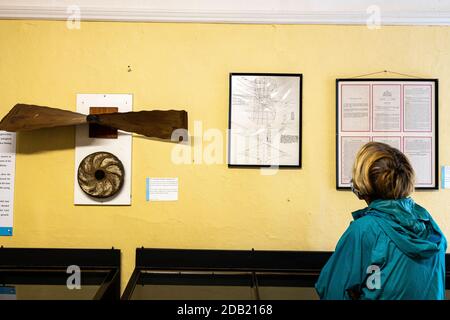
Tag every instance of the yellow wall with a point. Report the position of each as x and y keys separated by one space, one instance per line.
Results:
x=187 y=66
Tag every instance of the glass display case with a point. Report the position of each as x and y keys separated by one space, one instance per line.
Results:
x=59 y=274
x=176 y=274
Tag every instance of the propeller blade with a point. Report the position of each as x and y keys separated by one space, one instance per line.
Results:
x=25 y=117
x=155 y=123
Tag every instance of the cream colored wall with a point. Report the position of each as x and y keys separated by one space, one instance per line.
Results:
x=187 y=66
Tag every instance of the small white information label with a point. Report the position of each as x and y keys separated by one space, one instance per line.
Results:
x=162 y=189
x=7 y=173
x=445 y=177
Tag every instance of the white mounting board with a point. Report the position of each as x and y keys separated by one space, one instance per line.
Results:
x=120 y=147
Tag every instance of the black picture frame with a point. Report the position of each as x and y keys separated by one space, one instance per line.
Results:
x=436 y=123
x=298 y=164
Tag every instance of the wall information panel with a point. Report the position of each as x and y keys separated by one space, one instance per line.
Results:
x=400 y=112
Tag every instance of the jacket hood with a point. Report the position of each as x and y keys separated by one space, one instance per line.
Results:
x=408 y=225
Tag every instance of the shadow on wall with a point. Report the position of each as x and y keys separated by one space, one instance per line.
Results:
x=58 y=138
x=42 y=140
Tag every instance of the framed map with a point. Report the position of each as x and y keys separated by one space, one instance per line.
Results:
x=400 y=112
x=265 y=120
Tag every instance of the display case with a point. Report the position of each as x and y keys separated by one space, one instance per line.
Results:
x=59 y=274
x=178 y=274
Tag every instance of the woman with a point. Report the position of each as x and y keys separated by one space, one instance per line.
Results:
x=393 y=249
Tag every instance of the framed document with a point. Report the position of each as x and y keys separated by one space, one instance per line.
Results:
x=400 y=112
x=265 y=120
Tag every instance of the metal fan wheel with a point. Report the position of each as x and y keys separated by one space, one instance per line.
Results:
x=101 y=175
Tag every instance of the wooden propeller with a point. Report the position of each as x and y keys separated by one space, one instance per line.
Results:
x=154 y=123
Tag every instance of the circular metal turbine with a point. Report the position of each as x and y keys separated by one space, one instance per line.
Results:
x=101 y=175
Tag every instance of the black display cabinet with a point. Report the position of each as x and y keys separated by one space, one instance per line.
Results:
x=52 y=274
x=179 y=274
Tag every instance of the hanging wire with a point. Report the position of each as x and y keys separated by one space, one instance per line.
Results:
x=386 y=71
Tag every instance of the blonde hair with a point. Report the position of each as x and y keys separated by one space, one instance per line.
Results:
x=382 y=172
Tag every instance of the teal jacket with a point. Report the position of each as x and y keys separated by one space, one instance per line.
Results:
x=393 y=250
